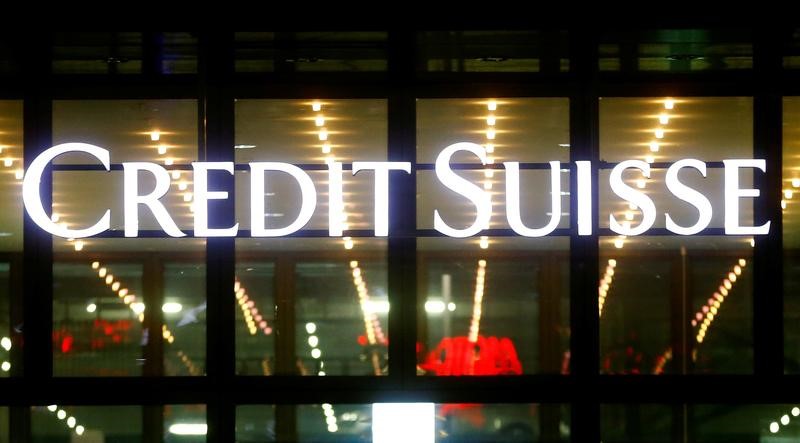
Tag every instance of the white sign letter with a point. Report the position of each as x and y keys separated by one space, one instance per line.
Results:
x=733 y=194
x=202 y=196
x=513 y=204
x=688 y=195
x=639 y=199
x=462 y=186
x=584 y=197
x=335 y=200
x=308 y=198
x=132 y=199
x=32 y=198
x=382 y=190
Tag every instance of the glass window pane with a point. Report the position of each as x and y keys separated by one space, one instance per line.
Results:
x=791 y=232
x=696 y=314
x=479 y=296
x=101 y=299
x=423 y=422
x=677 y=50
x=86 y=423
x=10 y=233
x=311 y=51
x=97 y=53
x=185 y=424
x=702 y=423
x=494 y=51
x=503 y=310
x=336 y=296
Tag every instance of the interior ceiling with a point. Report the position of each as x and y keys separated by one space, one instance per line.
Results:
x=526 y=130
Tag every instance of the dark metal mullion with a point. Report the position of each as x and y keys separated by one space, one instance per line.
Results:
x=584 y=251
x=402 y=254
x=768 y=251
x=215 y=123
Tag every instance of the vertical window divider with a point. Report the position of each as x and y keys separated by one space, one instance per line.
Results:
x=584 y=250
x=768 y=254
x=215 y=123
x=401 y=250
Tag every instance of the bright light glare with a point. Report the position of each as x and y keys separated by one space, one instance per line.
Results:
x=403 y=422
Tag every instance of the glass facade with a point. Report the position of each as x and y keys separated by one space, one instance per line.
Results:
x=481 y=334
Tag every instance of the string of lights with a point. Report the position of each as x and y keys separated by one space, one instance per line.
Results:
x=254 y=320
x=313 y=342
x=70 y=421
x=605 y=284
x=477 y=305
x=706 y=315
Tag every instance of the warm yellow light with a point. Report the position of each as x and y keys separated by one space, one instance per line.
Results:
x=659 y=133
x=491 y=120
x=79 y=245
x=484 y=242
x=319 y=121
x=162 y=149
x=490 y=133
x=176 y=174
x=95 y=264
x=19 y=174
x=491 y=105
x=640 y=183
x=316 y=106
x=326 y=148
x=663 y=119
x=182 y=186
x=323 y=134
x=8 y=162
x=169 y=161
x=619 y=243
x=489 y=148
x=788 y=193
x=654 y=146
x=669 y=103
x=155 y=135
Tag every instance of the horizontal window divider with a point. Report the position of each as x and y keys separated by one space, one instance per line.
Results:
x=674 y=389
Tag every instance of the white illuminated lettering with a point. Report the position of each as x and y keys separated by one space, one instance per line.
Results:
x=202 y=195
x=32 y=183
x=584 y=197
x=335 y=200
x=308 y=198
x=382 y=190
x=688 y=195
x=513 y=201
x=627 y=193
x=132 y=199
x=464 y=187
x=733 y=193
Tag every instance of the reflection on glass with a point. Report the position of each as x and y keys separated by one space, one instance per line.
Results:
x=659 y=295
x=86 y=423
x=185 y=424
x=184 y=309
x=11 y=173
x=97 y=53
x=791 y=232
x=703 y=423
x=423 y=422
x=101 y=306
x=4 y=428
x=335 y=296
x=494 y=51
x=498 y=310
x=695 y=313
x=254 y=290
x=676 y=50
x=332 y=51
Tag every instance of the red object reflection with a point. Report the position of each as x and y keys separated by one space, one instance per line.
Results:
x=487 y=356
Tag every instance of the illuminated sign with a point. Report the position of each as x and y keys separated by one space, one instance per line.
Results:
x=444 y=172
